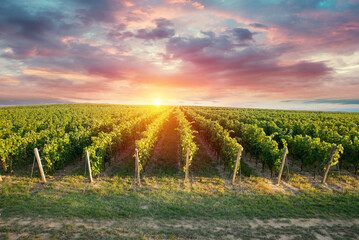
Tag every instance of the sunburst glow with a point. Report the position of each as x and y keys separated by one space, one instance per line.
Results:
x=157 y=102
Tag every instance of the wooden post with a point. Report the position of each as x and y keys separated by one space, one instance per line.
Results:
x=187 y=163
x=237 y=163
x=334 y=149
x=0 y=178
x=89 y=165
x=282 y=165
x=137 y=168
x=37 y=155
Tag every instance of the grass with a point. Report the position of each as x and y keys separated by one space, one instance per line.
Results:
x=165 y=198
x=166 y=208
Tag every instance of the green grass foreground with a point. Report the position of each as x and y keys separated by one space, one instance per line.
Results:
x=165 y=198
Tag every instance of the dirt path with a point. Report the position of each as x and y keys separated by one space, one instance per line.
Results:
x=207 y=161
x=76 y=165
x=283 y=228
x=128 y=151
x=122 y=164
x=165 y=158
x=257 y=168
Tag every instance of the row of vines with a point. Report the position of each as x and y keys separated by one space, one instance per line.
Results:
x=63 y=133
x=265 y=134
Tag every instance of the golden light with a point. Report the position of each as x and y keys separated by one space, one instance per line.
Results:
x=157 y=102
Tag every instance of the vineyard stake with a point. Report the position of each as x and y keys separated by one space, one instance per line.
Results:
x=186 y=170
x=137 y=168
x=282 y=165
x=332 y=153
x=237 y=163
x=40 y=165
x=89 y=165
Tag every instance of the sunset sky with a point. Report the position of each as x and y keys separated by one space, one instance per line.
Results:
x=283 y=54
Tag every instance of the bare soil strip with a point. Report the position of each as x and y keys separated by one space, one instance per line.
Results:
x=123 y=163
x=210 y=154
x=284 y=228
x=126 y=152
x=165 y=158
x=207 y=152
x=70 y=168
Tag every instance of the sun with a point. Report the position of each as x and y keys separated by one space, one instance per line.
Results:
x=157 y=102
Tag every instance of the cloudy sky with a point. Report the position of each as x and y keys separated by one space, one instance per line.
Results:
x=266 y=53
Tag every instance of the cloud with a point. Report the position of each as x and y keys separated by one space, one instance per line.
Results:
x=313 y=24
x=162 y=23
x=93 y=11
x=163 y=30
x=157 y=33
x=14 y=101
x=32 y=32
x=16 y=21
x=343 y=105
x=242 y=34
x=300 y=6
x=220 y=63
x=9 y=81
x=219 y=54
x=190 y=3
x=334 y=101
x=258 y=25
x=223 y=50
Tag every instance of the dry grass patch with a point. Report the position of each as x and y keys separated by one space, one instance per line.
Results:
x=301 y=183
x=258 y=184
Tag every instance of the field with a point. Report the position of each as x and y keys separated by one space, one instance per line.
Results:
x=163 y=205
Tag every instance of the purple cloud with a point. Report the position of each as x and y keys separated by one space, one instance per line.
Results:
x=258 y=25
x=93 y=11
x=163 y=30
x=254 y=66
x=242 y=34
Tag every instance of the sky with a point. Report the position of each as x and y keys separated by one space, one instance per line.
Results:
x=281 y=54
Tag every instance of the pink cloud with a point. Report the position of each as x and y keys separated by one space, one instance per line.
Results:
x=126 y=50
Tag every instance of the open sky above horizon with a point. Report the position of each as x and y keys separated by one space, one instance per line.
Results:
x=282 y=54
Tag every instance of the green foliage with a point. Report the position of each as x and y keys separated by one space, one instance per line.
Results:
x=146 y=144
x=313 y=151
x=61 y=132
x=186 y=138
x=253 y=138
x=101 y=150
x=255 y=129
x=262 y=146
x=220 y=138
x=105 y=145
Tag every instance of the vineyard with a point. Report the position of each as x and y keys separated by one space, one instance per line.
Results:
x=63 y=134
x=174 y=171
